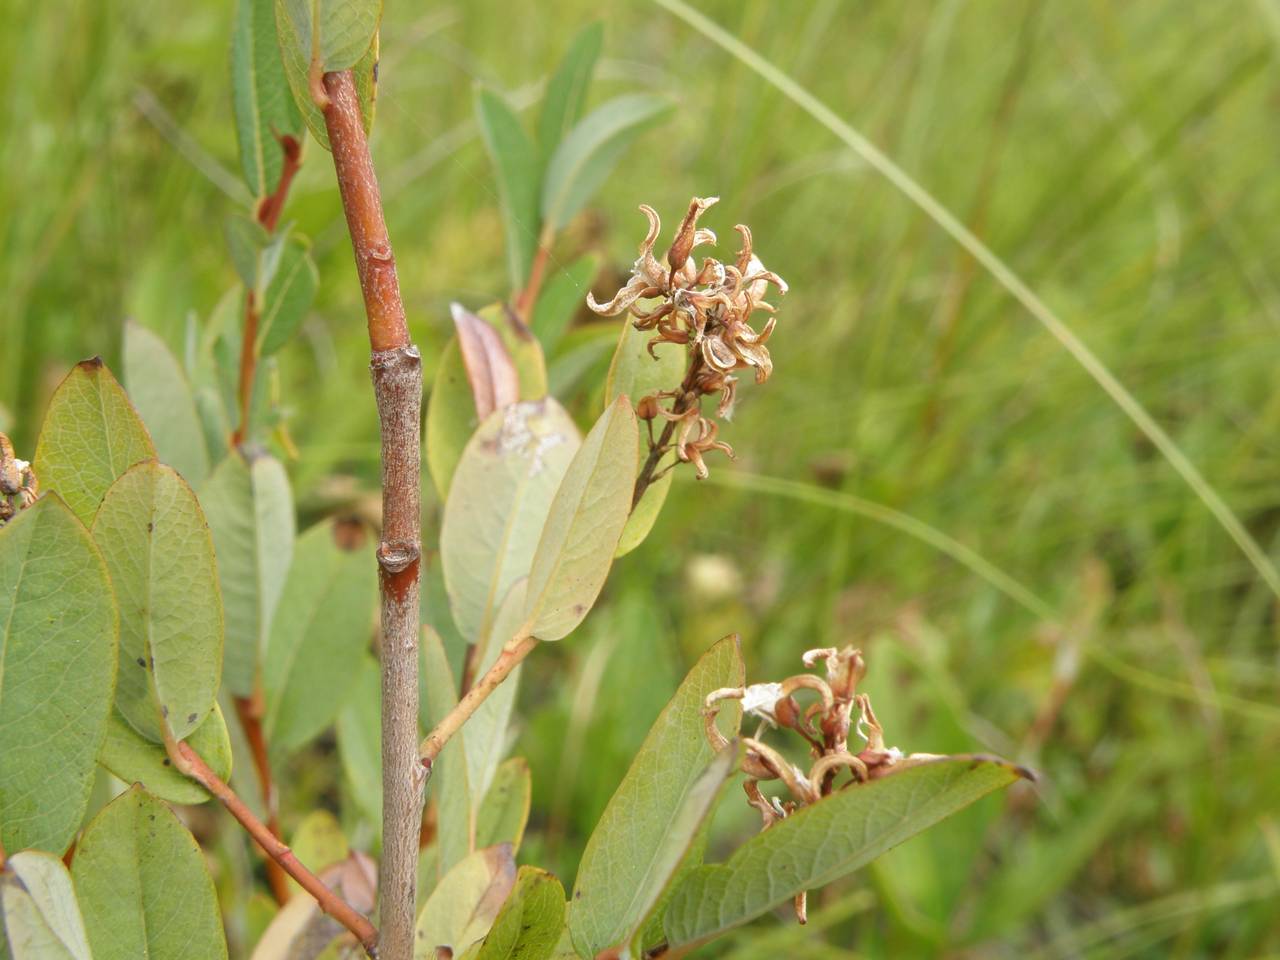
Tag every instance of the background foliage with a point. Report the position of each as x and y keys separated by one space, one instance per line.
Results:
x=1119 y=156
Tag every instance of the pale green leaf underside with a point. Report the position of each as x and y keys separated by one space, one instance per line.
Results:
x=91 y=435
x=162 y=395
x=463 y=906
x=523 y=347
x=159 y=553
x=451 y=413
x=143 y=885
x=504 y=811
x=584 y=524
x=528 y=926
x=260 y=95
x=635 y=373
x=455 y=837
x=645 y=514
x=584 y=158
x=360 y=740
x=486 y=733
x=823 y=842
x=507 y=478
x=315 y=647
x=250 y=511
x=344 y=43
x=133 y=758
x=58 y=637
x=41 y=918
x=633 y=850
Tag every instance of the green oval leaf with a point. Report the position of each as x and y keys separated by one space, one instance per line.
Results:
x=586 y=519
x=567 y=90
x=462 y=908
x=133 y=758
x=162 y=396
x=348 y=33
x=159 y=553
x=455 y=836
x=360 y=740
x=318 y=842
x=41 y=918
x=585 y=157
x=91 y=435
x=318 y=637
x=486 y=739
x=516 y=163
x=504 y=812
x=644 y=833
x=645 y=513
x=529 y=923
x=263 y=103
x=289 y=296
x=635 y=373
x=561 y=299
x=825 y=841
x=247 y=240
x=143 y=886
x=250 y=511
x=57 y=673
x=507 y=478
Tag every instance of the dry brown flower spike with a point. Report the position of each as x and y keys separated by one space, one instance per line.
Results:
x=707 y=308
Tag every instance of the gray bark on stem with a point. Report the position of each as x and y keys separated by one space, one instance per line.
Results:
x=397 y=384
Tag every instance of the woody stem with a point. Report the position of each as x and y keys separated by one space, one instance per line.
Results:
x=190 y=763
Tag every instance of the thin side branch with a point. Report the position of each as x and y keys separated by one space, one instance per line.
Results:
x=527 y=298
x=396 y=368
x=268 y=214
x=649 y=472
x=249 y=709
x=192 y=765
x=249 y=713
x=513 y=652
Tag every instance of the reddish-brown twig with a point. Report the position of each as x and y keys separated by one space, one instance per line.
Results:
x=513 y=652
x=268 y=214
x=190 y=763
x=527 y=298
x=249 y=712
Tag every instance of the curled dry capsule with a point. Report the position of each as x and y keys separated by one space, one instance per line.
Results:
x=705 y=309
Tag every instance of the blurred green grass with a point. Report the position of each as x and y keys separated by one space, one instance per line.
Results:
x=1120 y=157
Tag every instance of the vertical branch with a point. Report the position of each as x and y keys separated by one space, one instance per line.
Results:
x=397 y=386
x=527 y=298
x=267 y=214
x=249 y=709
x=249 y=713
